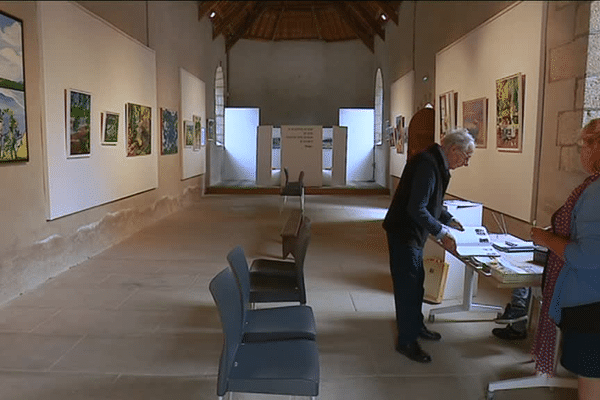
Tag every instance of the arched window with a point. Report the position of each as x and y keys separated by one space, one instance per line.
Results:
x=219 y=106
x=378 y=107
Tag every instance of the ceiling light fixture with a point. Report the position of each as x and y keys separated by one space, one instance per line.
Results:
x=384 y=17
x=212 y=14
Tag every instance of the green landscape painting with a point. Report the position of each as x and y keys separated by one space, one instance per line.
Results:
x=13 y=129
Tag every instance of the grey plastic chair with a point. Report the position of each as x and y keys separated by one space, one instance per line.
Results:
x=286 y=367
x=281 y=280
x=265 y=324
x=293 y=188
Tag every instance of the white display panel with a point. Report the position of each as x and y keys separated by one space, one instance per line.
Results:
x=302 y=150
x=240 y=143
x=193 y=103
x=83 y=52
x=509 y=43
x=264 y=155
x=361 y=139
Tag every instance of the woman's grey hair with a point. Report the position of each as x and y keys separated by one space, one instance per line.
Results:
x=458 y=137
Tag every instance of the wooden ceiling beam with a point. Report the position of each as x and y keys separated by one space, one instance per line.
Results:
x=205 y=7
x=221 y=22
x=388 y=10
x=317 y=26
x=366 y=19
x=276 y=27
x=366 y=38
x=254 y=10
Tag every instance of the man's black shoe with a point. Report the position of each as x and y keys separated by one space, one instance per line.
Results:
x=414 y=352
x=509 y=333
x=429 y=335
x=512 y=315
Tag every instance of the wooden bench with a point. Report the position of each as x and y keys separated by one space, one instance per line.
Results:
x=289 y=233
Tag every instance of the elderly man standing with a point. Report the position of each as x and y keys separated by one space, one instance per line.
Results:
x=415 y=212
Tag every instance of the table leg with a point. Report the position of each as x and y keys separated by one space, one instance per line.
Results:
x=467 y=300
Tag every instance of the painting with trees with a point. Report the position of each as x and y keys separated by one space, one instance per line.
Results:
x=79 y=123
x=139 y=132
x=13 y=129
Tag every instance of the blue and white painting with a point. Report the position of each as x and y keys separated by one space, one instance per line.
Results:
x=13 y=129
x=170 y=135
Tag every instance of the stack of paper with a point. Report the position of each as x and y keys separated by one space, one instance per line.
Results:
x=514 y=272
x=473 y=241
x=510 y=244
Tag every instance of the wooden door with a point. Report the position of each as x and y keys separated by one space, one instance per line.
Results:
x=421 y=131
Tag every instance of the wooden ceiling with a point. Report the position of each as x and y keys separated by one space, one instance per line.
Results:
x=329 y=21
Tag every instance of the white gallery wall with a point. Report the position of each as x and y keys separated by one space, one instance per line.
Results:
x=193 y=103
x=83 y=52
x=401 y=103
x=241 y=126
x=507 y=44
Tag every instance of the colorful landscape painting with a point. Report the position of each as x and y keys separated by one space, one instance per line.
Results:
x=139 y=130
x=110 y=133
x=78 y=132
x=509 y=103
x=13 y=129
x=170 y=134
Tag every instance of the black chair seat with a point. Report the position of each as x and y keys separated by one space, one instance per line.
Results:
x=279 y=323
x=268 y=266
x=269 y=288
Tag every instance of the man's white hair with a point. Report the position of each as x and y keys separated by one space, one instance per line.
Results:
x=458 y=137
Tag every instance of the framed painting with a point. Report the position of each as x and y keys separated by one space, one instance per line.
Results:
x=399 y=132
x=188 y=130
x=79 y=111
x=210 y=126
x=447 y=112
x=14 y=145
x=109 y=126
x=475 y=115
x=197 y=121
x=203 y=137
x=169 y=122
x=509 y=113
x=139 y=129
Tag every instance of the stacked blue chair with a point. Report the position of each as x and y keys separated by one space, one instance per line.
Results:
x=264 y=324
x=281 y=280
x=284 y=367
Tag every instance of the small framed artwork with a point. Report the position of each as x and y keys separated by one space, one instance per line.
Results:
x=399 y=132
x=169 y=131
x=14 y=145
x=139 y=130
x=475 y=115
x=109 y=126
x=509 y=113
x=79 y=111
x=197 y=132
x=188 y=129
x=447 y=112
x=210 y=126
x=203 y=137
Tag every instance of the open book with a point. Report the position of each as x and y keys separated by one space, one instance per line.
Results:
x=474 y=241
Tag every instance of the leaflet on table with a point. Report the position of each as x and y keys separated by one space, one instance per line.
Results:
x=510 y=244
x=509 y=271
x=473 y=241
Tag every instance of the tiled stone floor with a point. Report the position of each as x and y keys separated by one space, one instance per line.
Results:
x=138 y=322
